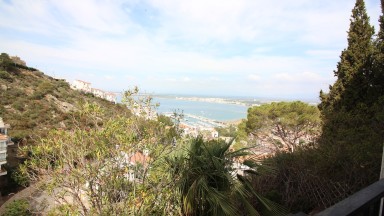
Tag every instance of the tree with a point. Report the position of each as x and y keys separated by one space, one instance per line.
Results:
x=348 y=154
x=102 y=168
x=6 y=62
x=352 y=113
x=353 y=68
x=204 y=174
x=284 y=125
x=376 y=88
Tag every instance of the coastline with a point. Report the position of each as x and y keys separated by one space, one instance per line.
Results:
x=218 y=100
x=234 y=122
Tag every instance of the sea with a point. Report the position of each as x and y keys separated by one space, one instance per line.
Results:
x=211 y=110
x=203 y=111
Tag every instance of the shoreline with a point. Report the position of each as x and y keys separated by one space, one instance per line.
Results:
x=217 y=100
x=234 y=122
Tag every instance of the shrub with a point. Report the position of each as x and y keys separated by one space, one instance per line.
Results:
x=5 y=75
x=43 y=89
x=18 y=208
x=20 y=104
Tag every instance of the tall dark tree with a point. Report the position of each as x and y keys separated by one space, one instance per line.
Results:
x=352 y=63
x=377 y=84
x=348 y=156
x=350 y=111
x=350 y=89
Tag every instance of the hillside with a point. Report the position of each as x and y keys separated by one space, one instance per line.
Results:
x=33 y=103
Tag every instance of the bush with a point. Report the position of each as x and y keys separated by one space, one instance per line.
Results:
x=17 y=208
x=43 y=89
x=20 y=104
x=6 y=62
x=5 y=75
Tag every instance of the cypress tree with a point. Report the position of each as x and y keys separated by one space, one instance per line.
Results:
x=352 y=61
x=349 y=111
x=377 y=84
x=352 y=71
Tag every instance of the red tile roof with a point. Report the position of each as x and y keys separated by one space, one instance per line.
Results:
x=139 y=157
x=3 y=137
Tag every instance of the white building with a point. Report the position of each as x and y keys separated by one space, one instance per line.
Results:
x=81 y=85
x=4 y=142
x=110 y=96
x=97 y=92
x=86 y=87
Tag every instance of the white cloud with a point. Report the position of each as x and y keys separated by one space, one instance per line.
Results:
x=324 y=54
x=284 y=77
x=254 y=77
x=288 y=43
x=300 y=77
x=186 y=79
x=108 y=77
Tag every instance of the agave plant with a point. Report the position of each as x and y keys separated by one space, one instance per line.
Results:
x=207 y=181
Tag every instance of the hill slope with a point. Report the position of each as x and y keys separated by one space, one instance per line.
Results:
x=34 y=103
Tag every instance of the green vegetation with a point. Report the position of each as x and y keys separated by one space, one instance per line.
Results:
x=353 y=110
x=322 y=154
x=97 y=163
x=347 y=155
x=18 y=208
x=286 y=125
x=209 y=184
x=229 y=131
x=6 y=62
x=195 y=178
x=33 y=103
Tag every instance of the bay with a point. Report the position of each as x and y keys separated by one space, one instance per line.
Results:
x=210 y=110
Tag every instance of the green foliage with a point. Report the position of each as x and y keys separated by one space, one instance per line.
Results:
x=20 y=176
x=65 y=209
x=17 y=208
x=33 y=103
x=353 y=69
x=353 y=125
x=31 y=114
x=165 y=120
x=97 y=160
x=205 y=176
x=43 y=88
x=5 y=75
x=284 y=123
x=349 y=149
x=6 y=62
x=229 y=131
x=242 y=130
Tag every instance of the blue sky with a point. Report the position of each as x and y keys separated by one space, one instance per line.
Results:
x=258 y=48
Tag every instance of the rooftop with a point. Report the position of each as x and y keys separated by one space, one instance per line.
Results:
x=83 y=81
x=3 y=137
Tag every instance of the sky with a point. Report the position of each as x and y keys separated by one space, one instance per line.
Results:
x=255 y=48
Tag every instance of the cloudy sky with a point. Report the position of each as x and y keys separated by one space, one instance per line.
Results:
x=258 y=48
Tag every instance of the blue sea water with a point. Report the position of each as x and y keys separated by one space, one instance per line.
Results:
x=215 y=111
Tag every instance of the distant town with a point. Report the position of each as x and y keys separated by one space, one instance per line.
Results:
x=86 y=87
